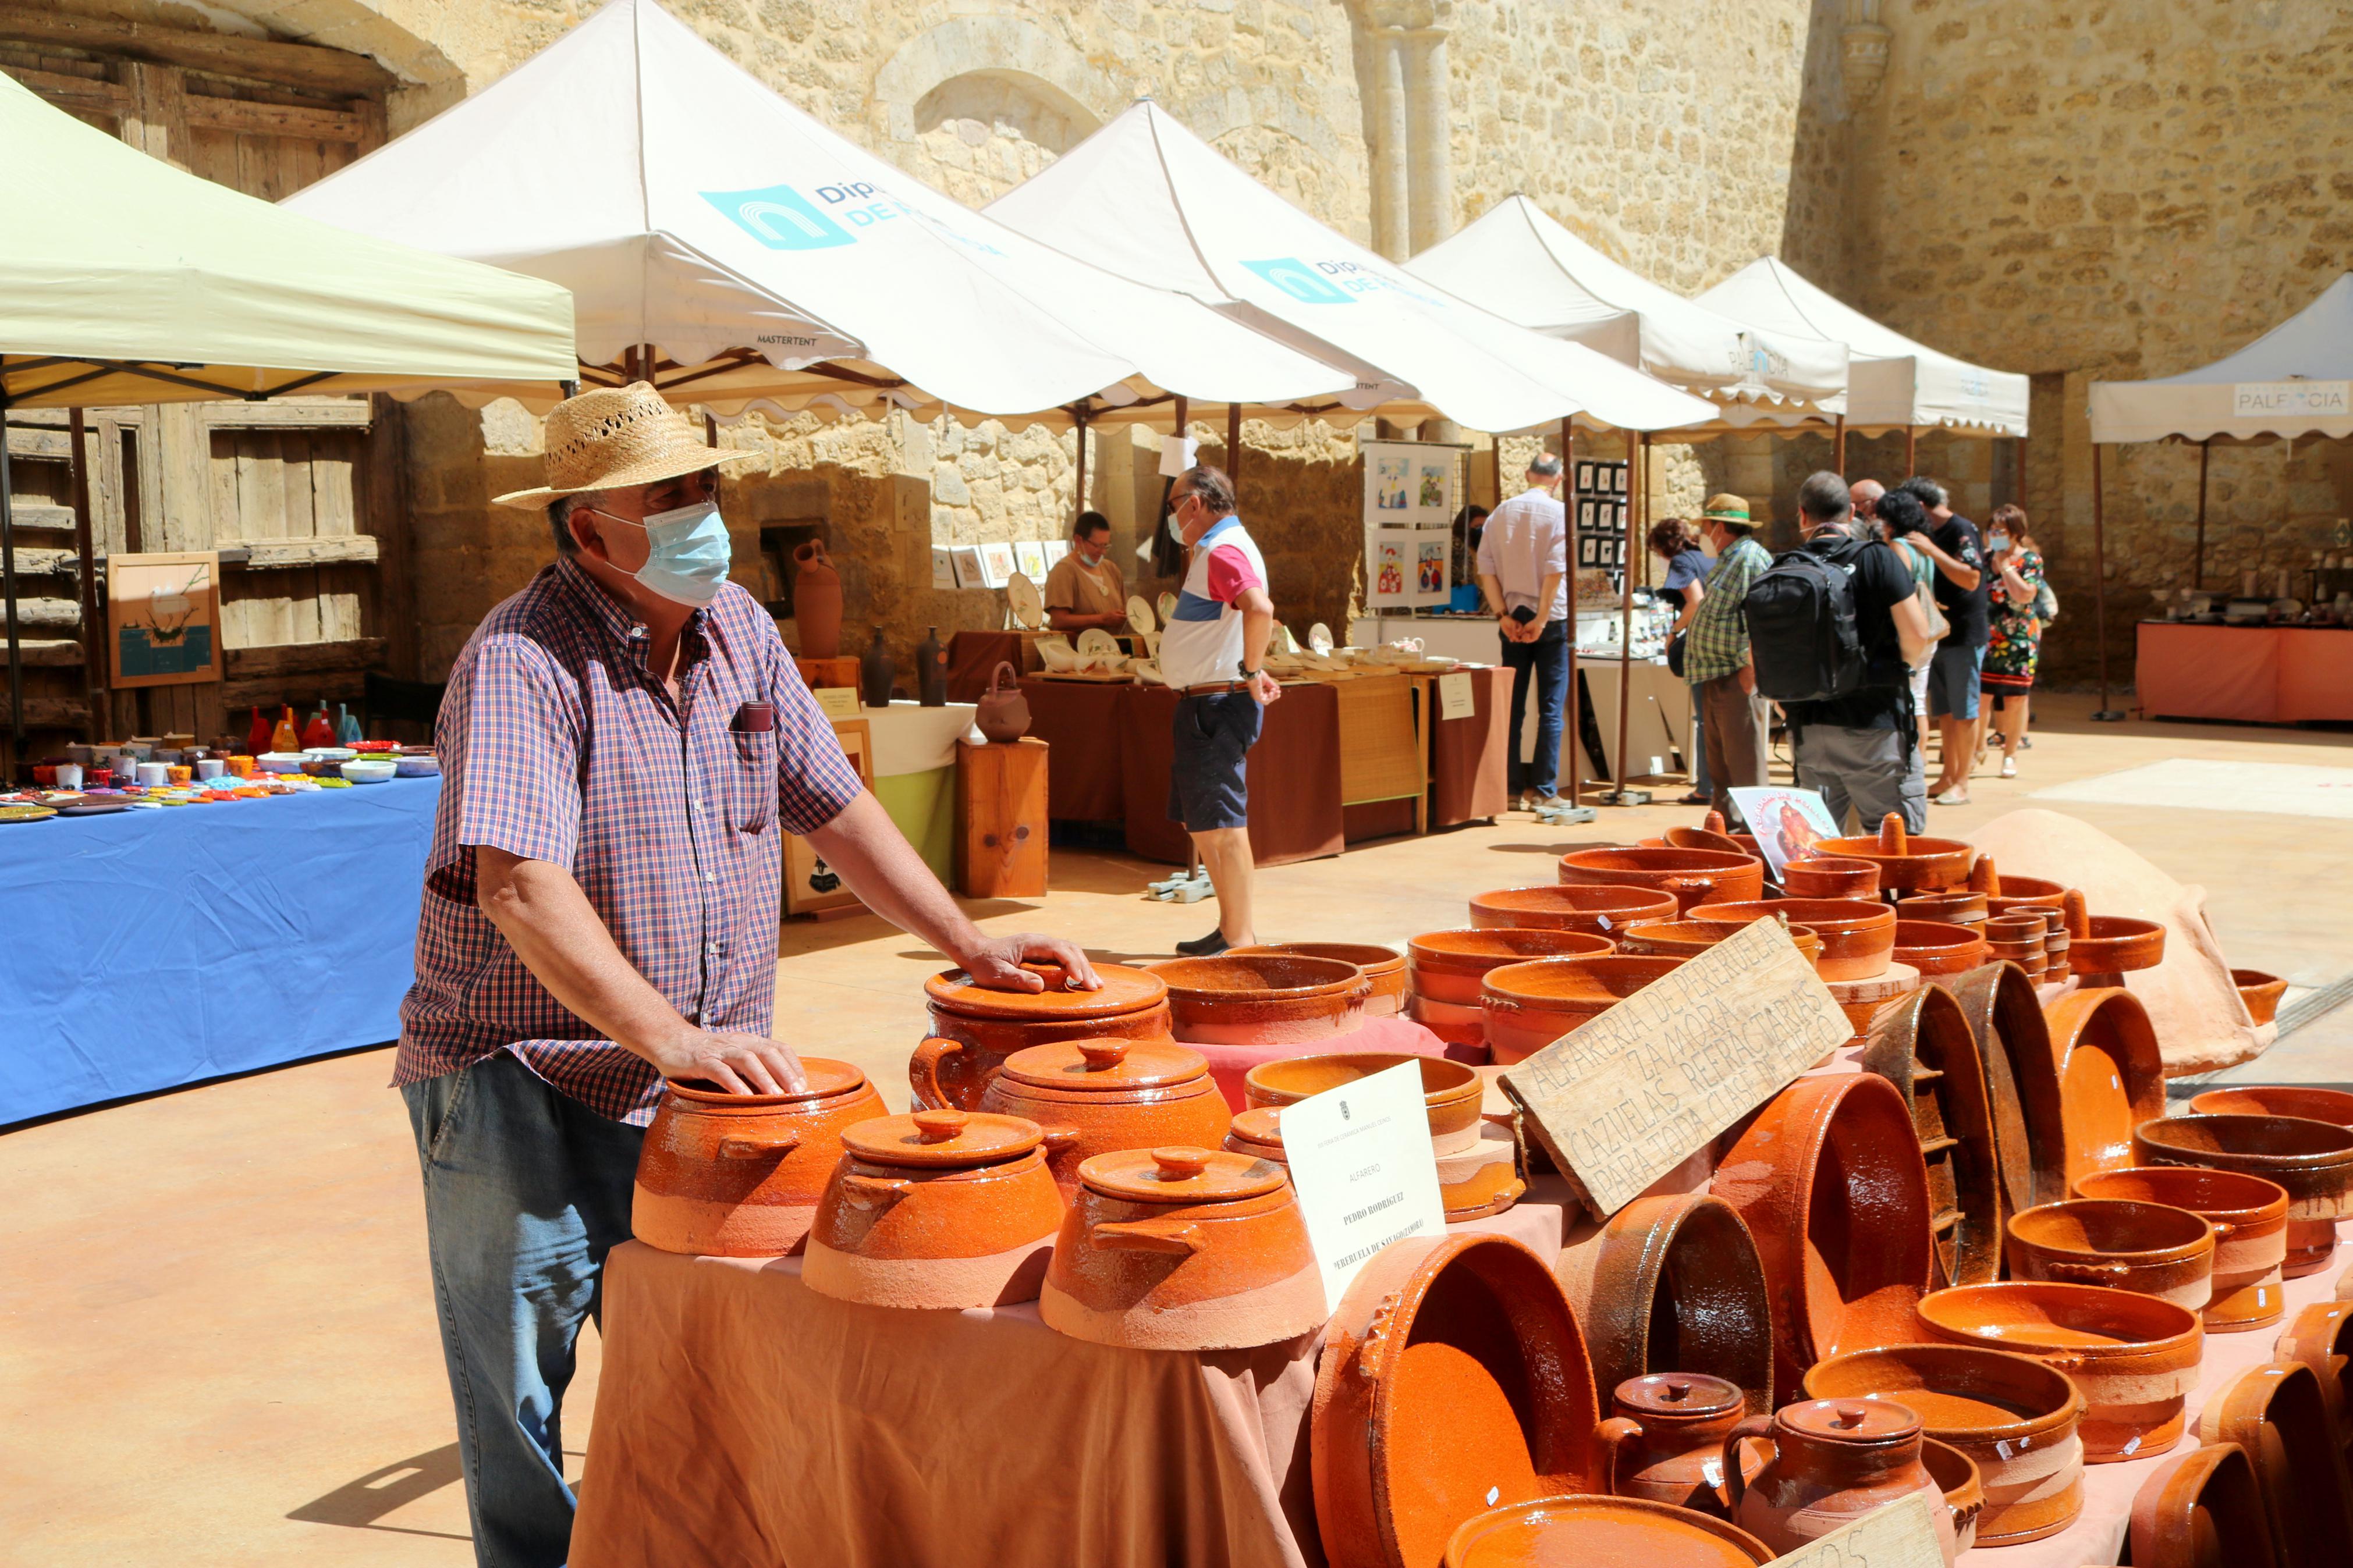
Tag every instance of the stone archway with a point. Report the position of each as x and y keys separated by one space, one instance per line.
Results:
x=978 y=104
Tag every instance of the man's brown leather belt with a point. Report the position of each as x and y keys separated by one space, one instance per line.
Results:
x=1216 y=686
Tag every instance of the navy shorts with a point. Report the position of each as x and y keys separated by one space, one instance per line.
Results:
x=1953 y=681
x=1207 y=788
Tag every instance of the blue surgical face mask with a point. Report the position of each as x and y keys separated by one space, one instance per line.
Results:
x=687 y=554
x=1997 y=541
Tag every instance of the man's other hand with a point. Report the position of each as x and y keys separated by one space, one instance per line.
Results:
x=996 y=964
x=740 y=1063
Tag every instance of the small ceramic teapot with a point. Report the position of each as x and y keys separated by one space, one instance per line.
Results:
x=1664 y=1439
x=1834 y=1460
x=1004 y=711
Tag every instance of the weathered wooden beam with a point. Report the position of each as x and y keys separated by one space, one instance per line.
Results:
x=308 y=123
x=73 y=93
x=41 y=514
x=222 y=54
x=271 y=555
x=47 y=712
x=343 y=413
x=48 y=613
x=302 y=659
x=38 y=562
x=42 y=446
x=49 y=652
x=266 y=691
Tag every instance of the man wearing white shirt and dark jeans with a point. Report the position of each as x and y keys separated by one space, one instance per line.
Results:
x=1524 y=573
x=1209 y=653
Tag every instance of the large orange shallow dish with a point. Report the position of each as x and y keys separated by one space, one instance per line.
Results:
x=1692 y=876
x=1595 y=910
x=1858 y=936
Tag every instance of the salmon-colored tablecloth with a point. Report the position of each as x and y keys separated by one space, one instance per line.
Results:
x=1293 y=776
x=744 y=1419
x=2267 y=675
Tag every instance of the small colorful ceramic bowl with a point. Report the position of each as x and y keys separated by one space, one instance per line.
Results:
x=368 y=770
x=416 y=767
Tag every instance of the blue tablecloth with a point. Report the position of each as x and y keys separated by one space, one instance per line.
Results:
x=147 y=949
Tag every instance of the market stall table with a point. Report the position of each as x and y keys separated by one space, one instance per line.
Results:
x=973 y=658
x=1293 y=777
x=913 y=758
x=2260 y=674
x=153 y=948
x=1081 y=721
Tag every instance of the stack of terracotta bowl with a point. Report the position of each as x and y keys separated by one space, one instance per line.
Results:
x=1527 y=1006
x=1478 y=1172
x=1857 y=958
x=1445 y=972
x=1383 y=966
x=2310 y=1160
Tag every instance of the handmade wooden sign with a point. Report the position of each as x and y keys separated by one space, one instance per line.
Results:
x=1901 y=1535
x=1624 y=1099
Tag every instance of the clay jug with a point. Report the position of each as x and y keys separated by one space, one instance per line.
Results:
x=877 y=673
x=1833 y=1461
x=319 y=731
x=1003 y=715
x=932 y=669
x=285 y=737
x=816 y=602
x=257 y=740
x=1664 y=1439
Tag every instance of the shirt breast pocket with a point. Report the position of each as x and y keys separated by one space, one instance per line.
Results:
x=752 y=802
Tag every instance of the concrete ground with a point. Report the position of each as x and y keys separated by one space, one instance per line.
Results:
x=216 y=1338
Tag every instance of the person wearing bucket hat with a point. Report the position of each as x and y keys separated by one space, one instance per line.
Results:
x=624 y=745
x=1735 y=722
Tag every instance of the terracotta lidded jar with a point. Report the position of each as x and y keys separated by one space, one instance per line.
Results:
x=1833 y=1461
x=1092 y=1097
x=817 y=601
x=1003 y=712
x=941 y=1208
x=1182 y=1249
x=974 y=1028
x=1664 y=1439
x=739 y=1175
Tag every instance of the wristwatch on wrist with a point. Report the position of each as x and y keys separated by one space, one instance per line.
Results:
x=1248 y=674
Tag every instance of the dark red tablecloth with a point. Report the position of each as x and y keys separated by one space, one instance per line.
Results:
x=1469 y=780
x=973 y=658
x=1081 y=721
x=1295 y=777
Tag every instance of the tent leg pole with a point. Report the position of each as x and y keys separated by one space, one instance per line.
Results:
x=2198 y=561
x=1080 y=483
x=1637 y=481
x=1234 y=449
x=93 y=673
x=1573 y=709
x=8 y=587
x=1911 y=450
x=1838 y=447
x=2106 y=715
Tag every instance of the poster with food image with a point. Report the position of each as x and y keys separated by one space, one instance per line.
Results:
x=162 y=614
x=1787 y=822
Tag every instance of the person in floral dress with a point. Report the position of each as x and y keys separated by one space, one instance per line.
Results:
x=2016 y=636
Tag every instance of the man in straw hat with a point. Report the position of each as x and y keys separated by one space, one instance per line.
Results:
x=624 y=745
x=1735 y=722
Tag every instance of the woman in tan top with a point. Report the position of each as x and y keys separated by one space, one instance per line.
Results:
x=1085 y=589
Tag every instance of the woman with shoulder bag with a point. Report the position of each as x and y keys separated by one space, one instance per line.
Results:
x=1676 y=542
x=1901 y=513
x=2014 y=599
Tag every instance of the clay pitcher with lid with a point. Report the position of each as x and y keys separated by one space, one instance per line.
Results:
x=817 y=601
x=1093 y=1097
x=1664 y=1439
x=974 y=1028
x=1832 y=1461
x=1003 y=712
x=739 y=1175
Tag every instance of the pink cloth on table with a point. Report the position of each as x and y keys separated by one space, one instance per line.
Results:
x=1229 y=1064
x=2208 y=673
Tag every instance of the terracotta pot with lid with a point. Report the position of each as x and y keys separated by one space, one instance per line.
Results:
x=1905 y=864
x=1832 y=1462
x=1262 y=1000
x=1598 y=910
x=2249 y=1219
x=1448 y=966
x=938 y=1209
x=1830 y=877
x=1383 y=966
x=2153 y=1248
x=1182 y=1249
x=1858 y=936
x=1092 y=1097
x=1601 y=1530
x=974 y=1028
x=1692 y=876
x=1453 y=1380
x=739 y=1175
x=1664 y=1439
x=2312 y=1160
x=1530 y=1005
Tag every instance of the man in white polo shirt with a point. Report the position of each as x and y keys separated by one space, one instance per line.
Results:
x=1210 y=652
x=1524 y=573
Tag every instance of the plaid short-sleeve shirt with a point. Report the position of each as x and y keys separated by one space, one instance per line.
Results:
x=556 y=744
x=1717 y=644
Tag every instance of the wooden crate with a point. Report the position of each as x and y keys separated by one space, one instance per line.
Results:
x=1000 y=819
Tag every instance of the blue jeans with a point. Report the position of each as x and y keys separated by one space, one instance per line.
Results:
x=525 y=1191
x=1544 y=660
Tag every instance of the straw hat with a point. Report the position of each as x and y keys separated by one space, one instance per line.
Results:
x=1727 y=509
x=614 y=437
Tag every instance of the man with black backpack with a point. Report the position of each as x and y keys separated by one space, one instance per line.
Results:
x=1835 y=627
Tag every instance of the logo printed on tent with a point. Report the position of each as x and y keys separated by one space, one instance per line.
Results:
x=780 y=217
x=1299 y=280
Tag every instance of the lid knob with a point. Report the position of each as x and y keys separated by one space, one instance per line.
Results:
x=1675 y=1389
x=1102 y=1055
x=1180 y=1165
x=1891 y=833
x=939 y=1126
x=1848 y=1416
x=2078 y=914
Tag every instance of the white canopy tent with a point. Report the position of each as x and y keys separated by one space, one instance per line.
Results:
x=1892 y=383
x=1520 y=262
x=724 y=245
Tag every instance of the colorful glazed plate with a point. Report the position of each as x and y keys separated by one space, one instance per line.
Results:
x=24 y=813
x=1139 y=615
x=1028 y=606
x=1319 y=640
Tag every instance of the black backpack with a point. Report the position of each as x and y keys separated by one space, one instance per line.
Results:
x=1801 y=627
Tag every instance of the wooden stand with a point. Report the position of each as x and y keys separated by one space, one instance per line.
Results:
x=817 y=672
x=1000 y=819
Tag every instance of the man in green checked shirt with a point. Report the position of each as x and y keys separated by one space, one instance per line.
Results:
x=1735 y=722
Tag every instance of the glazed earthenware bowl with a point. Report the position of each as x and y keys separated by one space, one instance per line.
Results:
x=1858 y=936
x=2277 y=1413
x=1449 y=966
x=2016 y=1417
x=2321 y=1337
x=1530 y=1005
x=1270 y=999
x=2260 y=992
x=1183 y=1250
x=2022 y=1079
x=1601 y=1530
x=1663 y=1440
x=2012 y=895
x=2122 y=1244
x=2312 y=1160
x=1383 y=966
x=1964 y=1488
x=1921 y=1043
x=2330 y=1105
x=1949 y=906
x=2133 y=1357
x=1935 y=947
x=2111 y=1079
x=1465 y=1029
x=1596 y=910
x=1689 y=939
x=1673 y=1284
x=2018 y=940
x=739 y=1175
x=1827 y=1178
x=1712 y=837
x=1450 y=1090
x=1830 y=877
x=2249 y=1219
x=1905 y=864
x=974 y=1028
x=1832 y=1462
x=938 y=1209
x=2203 y=1509
x=1092 y=1097
x=1453 y=1380
x=2104 y=945
x=1692 y=876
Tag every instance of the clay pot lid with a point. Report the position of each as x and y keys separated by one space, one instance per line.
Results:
x=1369 y=956
x=1181 y=1175
x=942 y=1139
x=1607 y=979
x=1591 y=1528
x=1123 y=990
x=1260 y=1124
x=1503 y=944
x=1279 y=977
x=2277 y=1100
x=1688 y=1395
x=1107 y=1065
x=826 y=1076
x=1850 y=1420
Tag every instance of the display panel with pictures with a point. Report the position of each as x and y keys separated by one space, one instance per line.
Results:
x=1029 y=555
x=997 y=564
x=1601 y=511
x=1412 y=491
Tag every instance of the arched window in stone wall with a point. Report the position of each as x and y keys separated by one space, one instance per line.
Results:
x=978 y=104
